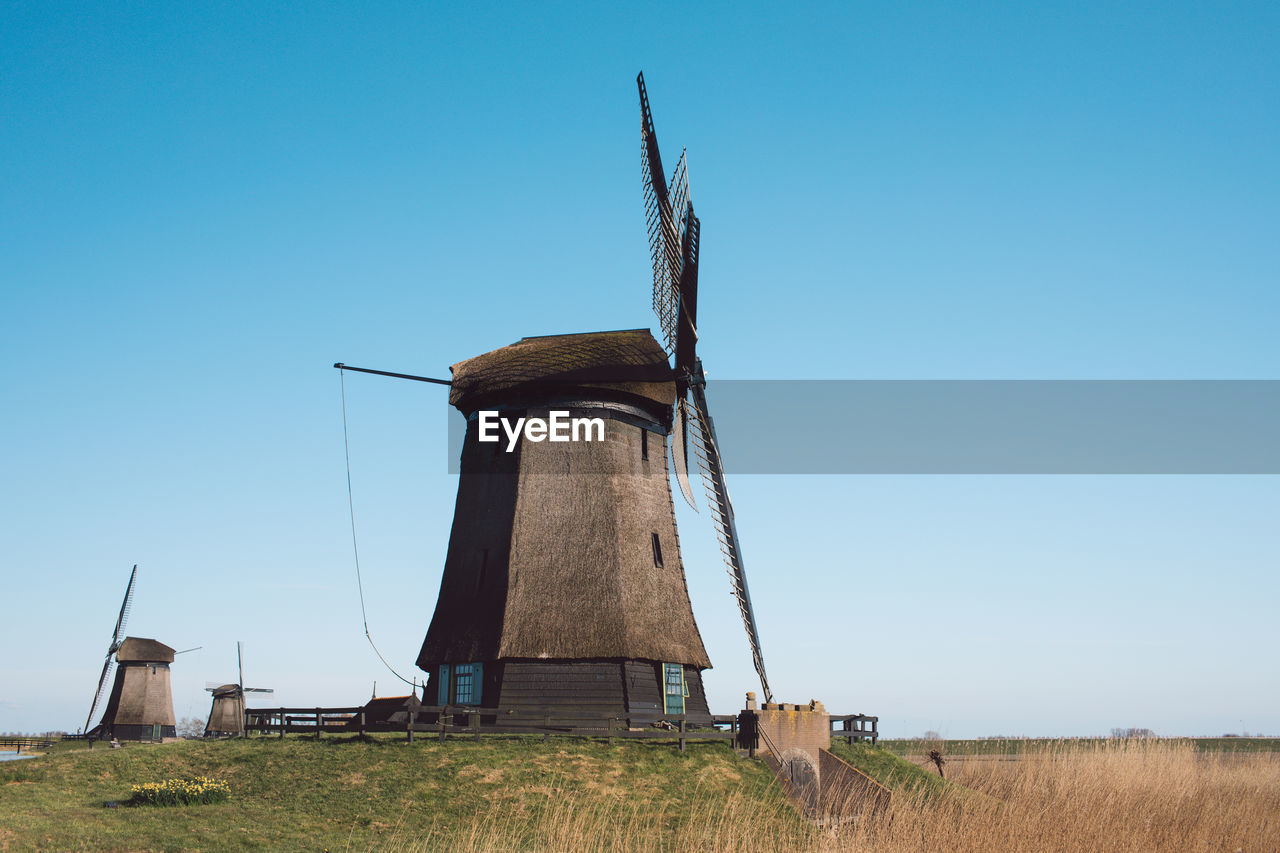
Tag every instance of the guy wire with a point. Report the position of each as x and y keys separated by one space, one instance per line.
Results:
x=351 y=506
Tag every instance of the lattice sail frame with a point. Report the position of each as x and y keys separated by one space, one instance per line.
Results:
x=108 y=666
x=674 y=248
x=707 y=453
x=666 y=236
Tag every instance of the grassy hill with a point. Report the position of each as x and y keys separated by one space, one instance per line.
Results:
x=892 y=771
x=341 y=793
x=521 y=793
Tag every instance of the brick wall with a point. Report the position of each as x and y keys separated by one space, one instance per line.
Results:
x=803 y=727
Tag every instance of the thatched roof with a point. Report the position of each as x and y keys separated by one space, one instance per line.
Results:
x=143 y=650
x=626 y=364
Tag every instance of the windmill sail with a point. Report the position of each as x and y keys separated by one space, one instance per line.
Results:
x=107 y=667
x=674 y=246
x=124 y=609
x=661 y=207
x=109 y=664
x=712 y=469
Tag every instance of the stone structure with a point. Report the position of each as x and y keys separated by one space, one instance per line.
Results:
x=795 y=742
x=799 y=730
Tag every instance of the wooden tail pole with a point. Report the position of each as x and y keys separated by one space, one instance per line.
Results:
x=340 y=366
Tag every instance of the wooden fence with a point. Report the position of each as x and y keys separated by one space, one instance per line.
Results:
x=855 y=727
x=28 y=743
x=413 y=718
x=444 y=720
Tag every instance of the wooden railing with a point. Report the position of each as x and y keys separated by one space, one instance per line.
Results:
x=28 y=743
x=414 y=718
x=444 y=720
x=853 y=727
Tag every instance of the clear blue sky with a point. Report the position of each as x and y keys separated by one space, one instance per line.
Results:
x=202 y=208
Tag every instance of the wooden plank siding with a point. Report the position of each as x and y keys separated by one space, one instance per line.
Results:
x=644 y=693
x=560 y=693
x=579 y=694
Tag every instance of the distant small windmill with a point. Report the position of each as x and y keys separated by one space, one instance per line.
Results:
x=226 y=714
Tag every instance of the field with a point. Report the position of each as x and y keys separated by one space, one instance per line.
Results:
x=519 y=793
x=1017 y=746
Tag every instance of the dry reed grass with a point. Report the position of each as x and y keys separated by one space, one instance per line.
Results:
x=1118 y=796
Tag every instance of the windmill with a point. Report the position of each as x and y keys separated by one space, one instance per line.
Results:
x=674 y=233
x=563 y=596
x=140 y=705
x=226 y=714
x=117 y=637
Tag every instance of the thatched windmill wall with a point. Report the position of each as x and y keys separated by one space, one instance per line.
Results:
x=141 y=702
x=563 y=592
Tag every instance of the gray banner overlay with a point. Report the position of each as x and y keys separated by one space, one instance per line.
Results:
x=990 y=426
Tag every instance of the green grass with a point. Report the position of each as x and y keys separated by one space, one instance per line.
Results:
x=1020 y=745
x=894 y=772
x=340 y=793
x=344 y=793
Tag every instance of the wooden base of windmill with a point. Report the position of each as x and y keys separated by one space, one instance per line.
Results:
x=574 y=694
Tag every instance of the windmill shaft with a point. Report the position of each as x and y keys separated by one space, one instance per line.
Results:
x=726 y=527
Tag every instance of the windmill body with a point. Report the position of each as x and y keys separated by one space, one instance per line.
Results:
x=140 y=706
x=563 y=592
x=226 y=714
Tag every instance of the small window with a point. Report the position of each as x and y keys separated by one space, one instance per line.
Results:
x=644 y=443
x=657 y=551
x=462 y=684
x=467 y=679
x=674 y=689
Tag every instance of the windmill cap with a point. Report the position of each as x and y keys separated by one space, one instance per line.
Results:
x=627 y=364
x=143 y=650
